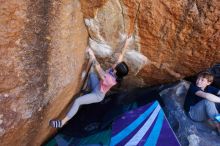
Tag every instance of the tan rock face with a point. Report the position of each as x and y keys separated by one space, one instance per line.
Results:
x=42 y=53
x=42 y=45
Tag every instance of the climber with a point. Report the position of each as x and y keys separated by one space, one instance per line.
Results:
x=98 y=87
x=200 y=100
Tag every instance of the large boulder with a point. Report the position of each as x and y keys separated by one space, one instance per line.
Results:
x=178 y=38
x=188 y=132
x=42 y=45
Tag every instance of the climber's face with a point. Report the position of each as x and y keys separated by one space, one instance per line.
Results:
x=202 y=82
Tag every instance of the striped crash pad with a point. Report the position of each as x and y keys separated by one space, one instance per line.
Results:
x=145 y=126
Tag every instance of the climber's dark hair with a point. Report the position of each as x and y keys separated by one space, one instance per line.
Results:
x=121 y=71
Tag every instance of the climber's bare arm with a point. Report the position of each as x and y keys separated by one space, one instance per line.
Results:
x=120 y=57
x=99 y=69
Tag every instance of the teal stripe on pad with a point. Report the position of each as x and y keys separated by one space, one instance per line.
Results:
x=154 y=135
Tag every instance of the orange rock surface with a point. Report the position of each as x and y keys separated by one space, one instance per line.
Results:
x=180 y=39
x=42 y=49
